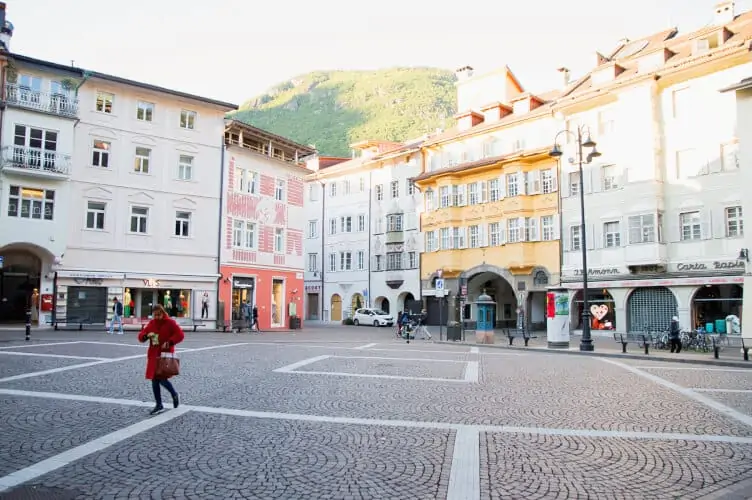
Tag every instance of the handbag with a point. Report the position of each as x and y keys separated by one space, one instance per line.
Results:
x=167 y=366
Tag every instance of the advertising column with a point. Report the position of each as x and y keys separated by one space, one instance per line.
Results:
x=557 y=318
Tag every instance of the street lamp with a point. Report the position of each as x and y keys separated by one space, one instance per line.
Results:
x=583 y=141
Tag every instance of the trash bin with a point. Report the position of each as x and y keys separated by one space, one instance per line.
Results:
x=294 y=323
x=454 y=332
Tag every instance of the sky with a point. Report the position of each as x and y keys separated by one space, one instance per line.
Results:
x=236 y=49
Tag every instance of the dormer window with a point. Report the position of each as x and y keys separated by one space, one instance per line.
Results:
x=526 y=104
x=468 y=119
x=706 y=44
x=652 y=62
x=495 y=112
x=606 y=73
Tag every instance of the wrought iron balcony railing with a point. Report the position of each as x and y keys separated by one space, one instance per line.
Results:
x=55 y=103
x=35 y=160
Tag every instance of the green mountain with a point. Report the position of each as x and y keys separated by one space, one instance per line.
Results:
x=332 y=109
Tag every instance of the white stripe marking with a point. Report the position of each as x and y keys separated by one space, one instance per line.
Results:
x=711 y=403
x=362 y=375
x=694 y=368
x=739 y=391
x=61 y=460
x=45 y=355
x=365 y=347
x=97 y=342
x=428 y=360
x=474 y=350
x=398 y=423
x=472 y=372
x=211 y=347
x=37 y=345
x=293 y=366
x=464 y=478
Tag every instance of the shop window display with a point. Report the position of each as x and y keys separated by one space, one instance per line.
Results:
x=718 y=308
x=177 y=302
x=602 y=315
x=278 y=301
x=242 y=292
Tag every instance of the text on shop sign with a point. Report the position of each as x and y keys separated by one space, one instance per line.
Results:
x=715 y=266
x=598 y=272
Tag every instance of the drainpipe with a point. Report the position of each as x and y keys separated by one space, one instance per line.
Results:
x=221 y=214
x=323 y=246
x=369 y=262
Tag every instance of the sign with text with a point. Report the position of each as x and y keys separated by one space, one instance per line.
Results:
x=606 y=271
x=718 y=265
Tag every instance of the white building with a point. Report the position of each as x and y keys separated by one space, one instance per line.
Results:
x=38 y=118
x=663 y=203
x=144 y=218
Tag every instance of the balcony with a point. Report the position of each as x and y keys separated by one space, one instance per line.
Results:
x=646 y=254
x=45 y=102
x=34 y=162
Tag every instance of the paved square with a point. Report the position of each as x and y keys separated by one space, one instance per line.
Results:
x=313 y=416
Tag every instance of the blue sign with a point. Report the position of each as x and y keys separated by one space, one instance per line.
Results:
x=439 y=284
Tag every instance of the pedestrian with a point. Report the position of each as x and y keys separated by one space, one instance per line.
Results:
x=399 y=324
x=163 y=333
x=254 y=316
x=117 y=316
x=674 y=332
x=405 y=322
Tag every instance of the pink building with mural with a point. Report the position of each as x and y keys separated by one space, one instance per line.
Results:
x=261 y=255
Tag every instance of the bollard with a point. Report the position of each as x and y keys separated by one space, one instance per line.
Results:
x=28 y=325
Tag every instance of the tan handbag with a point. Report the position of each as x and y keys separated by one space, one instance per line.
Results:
x=167 y=366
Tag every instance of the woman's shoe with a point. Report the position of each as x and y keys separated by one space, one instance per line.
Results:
x=156 y=410
x=175 y=400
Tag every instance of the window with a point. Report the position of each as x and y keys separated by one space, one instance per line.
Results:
x=100 y=154
x=734 y=222
x=279 y=190
x=313 y=229
x=531 y=229
x=548 y=181
x=429 y=200
x=493 y=190
x=494 y=234
x=730 y=156
x=34 y=147
x=410 y=187
x=346 y=186
x=681 y=101
x=139 y=219
x=393 y=261
x=332 y=190
x=395 y=189
x=187 y=119
x=185 y=168
x=431 y=242
x=251 y=185
x=446 y=239
x=279 y=237
x=31 y=203
x=394 y=223
x=459 y=237
x=361 y=223
x=362 y=184
x=611 y=235
x=345 y=224
x=345 y=261
x=574 y=183
x=104 y=102
x=575 y=234
x=412 y=258
x=514 y=230
x=445 y=197
x=332 y=262
x=513 y=187
x=548 y=231
x=142 y=160
x=183 y=224
x=145 y=111
x=687 y=164
x=472 y=194
x=243 y=234
x=332 y=226
x=474 y=237
x=313 y=264
x=379 y=192
x=642 y=229
x=361 y=260
x=610 y=177
x=95 y=211
x=691 y=227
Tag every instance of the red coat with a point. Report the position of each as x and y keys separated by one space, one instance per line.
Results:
x=169 y=331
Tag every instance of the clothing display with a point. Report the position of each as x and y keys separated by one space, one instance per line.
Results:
x=128 y=303
x=167 y=301
x=205 y=306
x=35 y=306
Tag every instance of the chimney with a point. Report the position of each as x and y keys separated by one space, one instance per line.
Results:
x=565 y=75
x=464 y=73
x=6 y=29
x=725 y=12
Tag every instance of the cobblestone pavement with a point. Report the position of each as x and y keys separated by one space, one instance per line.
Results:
x=321 y=416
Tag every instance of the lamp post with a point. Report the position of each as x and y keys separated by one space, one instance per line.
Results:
x=583 y=141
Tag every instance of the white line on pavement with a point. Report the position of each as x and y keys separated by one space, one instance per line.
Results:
x=120 y=344
x=464 y=478
x=694 y=368
x=293 y=366
x=211 y=347
x=45 y=355
x=472 y=372
x=711 y=403
x=739 y=391
x=23 y=346
x=588 y=433
x=365 y=346
x=474 y=350
x=427 y=360
x=362 y=375
x=61 y=460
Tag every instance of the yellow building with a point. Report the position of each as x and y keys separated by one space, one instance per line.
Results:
x=491 y=203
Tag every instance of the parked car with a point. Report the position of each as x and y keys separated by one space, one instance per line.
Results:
x=375 y=317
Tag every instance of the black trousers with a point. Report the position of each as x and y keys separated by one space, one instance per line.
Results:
x=155 y=383
x=675 y=345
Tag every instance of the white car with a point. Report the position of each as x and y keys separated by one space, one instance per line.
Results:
x=375 y=317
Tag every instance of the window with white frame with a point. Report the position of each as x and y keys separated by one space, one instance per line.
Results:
x=611 y=234
x=141 y=164
x=473 y=194
x=361 y=223
x=531 y=229
x=610 y=175
x=730 y=156
x=734 y=222
x=574 y=183
x=431 y=242
x=474 y=236
x=429 y=200
x=345 y=224
x=575 y=238
x=446 y=238
x=548 y=181
x=35 y=147
x=332 y=262
x=493 y=190
x=139 y=219
x=394 y=223
x=410 y=187
x=393 y=261
x=95 y=214
x=313 y=264
x=514 y=231
x=251 y=182
x=100 y=153
x=458 y=196
x=642 y=229
x=313 y=229
x=459 y=237
x=346 y=186
x=412 y=259
x=279 y=240
x=494 y=234
x=362 y=184
x=182 y=224
x=548 y=231
x=332 y=226
x=513 y=187
x=691 y=226
x=379 y=192
x=361 y=260
x=187 y=119
x=532 y=182
x=243 y=234
x=145 y=111
x=31 y=203
x=185 y=168
x=104 y=102
x=279 y=189
x=345 y=261
x=394 y=188
x=332 y=189
x=445 y=197
x=379 y=262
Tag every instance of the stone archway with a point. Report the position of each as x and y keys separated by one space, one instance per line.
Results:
x=650 y=309
x=357 y=301
x=406 y=301
x=382 y=303
x=21 y=274
x=497 y=283
x=336 y=308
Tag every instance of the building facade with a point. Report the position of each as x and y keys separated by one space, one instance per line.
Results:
x=264 y=225
x=490 y=194
x=663 y=204
x=144 y=218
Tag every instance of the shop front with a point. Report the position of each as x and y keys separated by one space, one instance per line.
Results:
x=313 y=302
x=278 y=295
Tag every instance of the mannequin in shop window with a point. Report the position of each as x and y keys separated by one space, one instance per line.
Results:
x=205 y=305
x=127 y=303
x=35 y=306
x=167 y=302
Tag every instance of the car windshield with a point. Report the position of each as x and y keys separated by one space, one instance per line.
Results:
x=379 y=312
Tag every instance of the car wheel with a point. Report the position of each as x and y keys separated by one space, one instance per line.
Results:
x=356 y=322
x=376 y=323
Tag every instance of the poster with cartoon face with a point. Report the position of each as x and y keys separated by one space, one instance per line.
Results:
x=599 y=317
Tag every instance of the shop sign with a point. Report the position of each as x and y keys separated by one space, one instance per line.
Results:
x=151 y=283
x=711 y=266
x=608 y=271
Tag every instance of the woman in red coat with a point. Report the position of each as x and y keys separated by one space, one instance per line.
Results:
x=163 y=333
